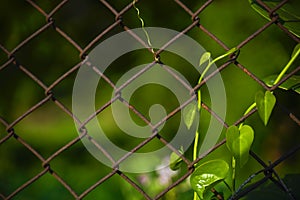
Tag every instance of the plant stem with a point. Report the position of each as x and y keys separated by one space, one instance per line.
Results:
x=195 y=196
x=199 y=93
x=227 y=185
x=196 y=145
x=293 y=58
x=231 y=51
x=247 y=111
x=233 y=174
x=199 y=107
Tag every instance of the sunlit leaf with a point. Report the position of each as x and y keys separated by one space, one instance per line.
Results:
x=232 y=134
x=289 y=14
x=207 y=175
x=189 y=114
x=293 y=83
x=297 y=90
x=175 y=160
x=204 y=58
x=239 y=142
x=265 y=103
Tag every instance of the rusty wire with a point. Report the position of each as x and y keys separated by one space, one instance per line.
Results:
x=267 y=169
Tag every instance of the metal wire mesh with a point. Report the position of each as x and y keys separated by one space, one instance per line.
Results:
x=114 y=19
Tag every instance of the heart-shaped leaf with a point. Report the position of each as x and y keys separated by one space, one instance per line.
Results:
x=239 y=142
x=207 y=175
x=204 y=58
x=175 y=160
x=189 y=114
x=265 y=104
x=231 y=134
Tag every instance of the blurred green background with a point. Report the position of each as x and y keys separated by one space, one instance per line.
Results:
x=49 y=55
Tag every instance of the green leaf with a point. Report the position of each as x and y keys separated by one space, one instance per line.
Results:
x=175 y=160
x=204 y=58
x=231 y=134
x=289 y=14
x=239 y=142
x=293 y=83
x=189 y=114
x=207 y=175
x=244 y=145
x=265 y=104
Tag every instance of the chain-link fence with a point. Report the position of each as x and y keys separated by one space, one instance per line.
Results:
x=46 y=44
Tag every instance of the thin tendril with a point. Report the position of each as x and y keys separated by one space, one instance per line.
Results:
x=143 y=25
